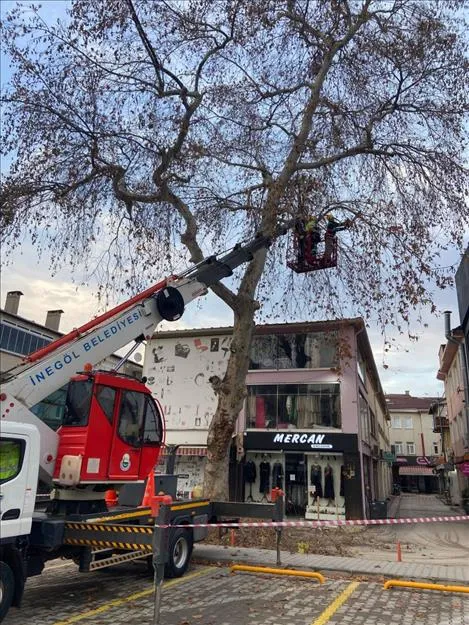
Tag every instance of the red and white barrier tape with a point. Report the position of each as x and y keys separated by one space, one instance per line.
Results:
x=330 y=523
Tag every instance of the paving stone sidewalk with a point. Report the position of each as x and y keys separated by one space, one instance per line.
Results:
x=399 y=570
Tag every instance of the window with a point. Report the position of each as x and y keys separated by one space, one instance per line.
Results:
x=19 y=340
x=364 y=418
x=106 y=397
x=52 y=408
x=11 y=458
x=77 y=407
x=398 y=447
x=152 y=430
x=301 y=406
x=294 y=351
x=396 y=422
x=131 y=417
x=407 y=423
x=410 y=449
x=361 y=368
x=435 y=448
x=372 y=424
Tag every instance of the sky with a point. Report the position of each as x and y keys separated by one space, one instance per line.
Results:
x=408 y=366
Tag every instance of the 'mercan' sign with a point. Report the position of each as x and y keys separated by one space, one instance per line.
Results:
x=293 y=441
x=315 y=441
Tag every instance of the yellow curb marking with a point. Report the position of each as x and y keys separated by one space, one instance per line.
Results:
x=332 y=608
x=271 y=571
x=137 y=595
x=424 y=586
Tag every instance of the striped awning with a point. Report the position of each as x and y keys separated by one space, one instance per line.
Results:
x=187 y=451
x=415 y=471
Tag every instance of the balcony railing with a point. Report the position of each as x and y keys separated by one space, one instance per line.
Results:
x=439 y=424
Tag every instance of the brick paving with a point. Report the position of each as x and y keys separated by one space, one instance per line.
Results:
x=216 y=597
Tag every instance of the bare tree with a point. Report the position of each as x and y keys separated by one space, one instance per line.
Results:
x=138 y=122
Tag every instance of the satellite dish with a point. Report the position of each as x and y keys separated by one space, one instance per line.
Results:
x=138 y=357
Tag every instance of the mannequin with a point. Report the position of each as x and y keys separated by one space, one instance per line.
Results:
x=342 y=479
x=329 y=484
x=316 y=480
x=264 y=475
x=277 y=475
x=250 y=474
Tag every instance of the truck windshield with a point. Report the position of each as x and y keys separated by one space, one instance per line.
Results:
x=51 y=408
x=77 y=406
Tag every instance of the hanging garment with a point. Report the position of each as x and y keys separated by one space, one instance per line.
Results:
x=250 y=472
x=329 y=483
x=277 y=475
x=264 y=475
x=342 y=480
x=316 y=480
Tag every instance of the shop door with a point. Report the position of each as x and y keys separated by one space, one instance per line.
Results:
x=295 y=484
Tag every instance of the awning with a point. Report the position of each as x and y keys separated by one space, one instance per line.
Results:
x=187 y=451
x=415 y=471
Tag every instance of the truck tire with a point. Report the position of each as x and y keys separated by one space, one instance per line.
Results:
x=7 y=589
x=180 y=551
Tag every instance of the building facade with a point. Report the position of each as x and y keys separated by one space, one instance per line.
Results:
x=451 y=372
x=462 y=291
x=314 y=422
x=415 y=444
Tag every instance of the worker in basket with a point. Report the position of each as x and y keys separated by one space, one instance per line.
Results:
x=332 y=227
x=313 y=236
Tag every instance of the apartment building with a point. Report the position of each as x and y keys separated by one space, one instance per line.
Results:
x=416 y=446
x=315 y=420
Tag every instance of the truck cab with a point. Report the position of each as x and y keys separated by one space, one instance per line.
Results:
x=19 y=462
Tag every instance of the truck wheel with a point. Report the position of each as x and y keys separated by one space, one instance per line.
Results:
x=180 y=551
x=7 y=588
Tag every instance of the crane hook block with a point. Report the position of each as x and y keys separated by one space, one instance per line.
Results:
x=170 y=303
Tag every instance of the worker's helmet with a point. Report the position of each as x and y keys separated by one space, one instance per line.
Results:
x=329 y=216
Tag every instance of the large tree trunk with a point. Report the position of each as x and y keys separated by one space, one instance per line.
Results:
x=232 y=392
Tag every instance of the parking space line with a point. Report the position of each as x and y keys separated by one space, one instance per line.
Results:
x=332 y=608
x=137 y=595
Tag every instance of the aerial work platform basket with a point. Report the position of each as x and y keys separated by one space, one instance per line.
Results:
x=304 y=255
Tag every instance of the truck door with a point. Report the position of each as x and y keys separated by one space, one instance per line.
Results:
x=18 y=477
x=124 y=463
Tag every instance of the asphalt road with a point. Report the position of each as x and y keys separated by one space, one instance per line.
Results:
x=123 y=595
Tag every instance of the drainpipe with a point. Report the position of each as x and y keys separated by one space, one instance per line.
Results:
x=463 y=362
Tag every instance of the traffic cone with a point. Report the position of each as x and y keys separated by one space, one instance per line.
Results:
x=110 y=498
x=149 y=490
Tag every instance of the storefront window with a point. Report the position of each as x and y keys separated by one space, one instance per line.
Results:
x=316 y=350
x=297 y=406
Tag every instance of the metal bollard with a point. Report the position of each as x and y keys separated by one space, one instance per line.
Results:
x=278 y=516
x=160 y=550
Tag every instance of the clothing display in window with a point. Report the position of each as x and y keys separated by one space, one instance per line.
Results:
x=250 y=472
x=264 y=475
x=316 y=480
x=342 y=479
x=277 y=475
x=329 y=483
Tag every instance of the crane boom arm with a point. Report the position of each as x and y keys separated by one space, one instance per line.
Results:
x=52 y=367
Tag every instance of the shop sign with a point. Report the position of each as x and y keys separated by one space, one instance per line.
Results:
x=388 y=456
x=423 y=461
x=300 y=441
